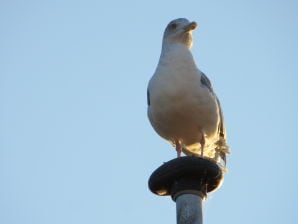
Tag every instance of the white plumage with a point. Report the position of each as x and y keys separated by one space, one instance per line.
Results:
x=182 y=106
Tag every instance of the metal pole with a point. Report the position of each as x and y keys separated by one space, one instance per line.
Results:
x=189 y=209
x=188 y=180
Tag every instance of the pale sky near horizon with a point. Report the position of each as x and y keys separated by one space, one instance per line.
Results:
x=75 y=142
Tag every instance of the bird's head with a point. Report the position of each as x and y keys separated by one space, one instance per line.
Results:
x=179 y=31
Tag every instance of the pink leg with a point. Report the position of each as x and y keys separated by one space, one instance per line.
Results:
x=202 y=142
x=178 y=148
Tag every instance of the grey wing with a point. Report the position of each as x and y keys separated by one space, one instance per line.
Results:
x=206 y=82
x=221 y=127
x=148 y=97
x=221 y=145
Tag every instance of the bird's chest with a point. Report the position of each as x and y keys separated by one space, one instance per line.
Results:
x=186 y=106
x=181 y=103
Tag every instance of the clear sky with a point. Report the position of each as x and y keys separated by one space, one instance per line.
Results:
x=75 y=142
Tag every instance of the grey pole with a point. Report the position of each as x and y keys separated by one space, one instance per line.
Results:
x=188 y=180
x=189 y=209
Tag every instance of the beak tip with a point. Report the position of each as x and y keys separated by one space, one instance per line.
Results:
x=191 y=26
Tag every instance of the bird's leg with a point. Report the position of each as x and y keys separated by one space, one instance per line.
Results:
x=178 y=148
x=202 y=142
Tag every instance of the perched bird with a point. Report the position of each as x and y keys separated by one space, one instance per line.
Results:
x=182 y=105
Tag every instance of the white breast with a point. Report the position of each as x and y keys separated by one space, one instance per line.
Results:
x=181 y=108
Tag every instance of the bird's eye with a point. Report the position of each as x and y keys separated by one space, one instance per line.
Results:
x=173 y=26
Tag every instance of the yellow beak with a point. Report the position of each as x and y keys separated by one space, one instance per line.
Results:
x=190 y=26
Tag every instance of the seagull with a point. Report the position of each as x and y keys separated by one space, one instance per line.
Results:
x=182 y=105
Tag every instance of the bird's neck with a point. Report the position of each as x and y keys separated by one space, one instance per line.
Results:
x=176 y=54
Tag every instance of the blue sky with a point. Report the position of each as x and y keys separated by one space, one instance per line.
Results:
x=75 y=142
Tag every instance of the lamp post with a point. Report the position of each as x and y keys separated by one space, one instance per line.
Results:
x=188 y=180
